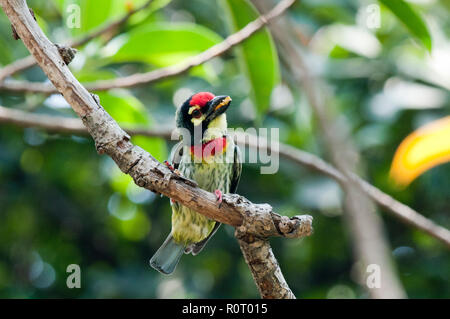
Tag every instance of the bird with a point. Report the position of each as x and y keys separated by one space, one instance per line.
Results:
x=209 y=156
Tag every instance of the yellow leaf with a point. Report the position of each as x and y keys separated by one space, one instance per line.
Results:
x=421 y=150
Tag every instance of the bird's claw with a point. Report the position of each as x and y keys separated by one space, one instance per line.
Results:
x=171 y=168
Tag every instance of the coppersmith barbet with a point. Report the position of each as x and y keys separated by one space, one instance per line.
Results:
x=208 y=156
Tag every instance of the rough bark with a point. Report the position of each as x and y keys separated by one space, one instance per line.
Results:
x=264 y=267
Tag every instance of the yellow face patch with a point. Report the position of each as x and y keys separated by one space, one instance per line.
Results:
x=196 y=120
x=193 y=108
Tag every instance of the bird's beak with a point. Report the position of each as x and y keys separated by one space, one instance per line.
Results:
x=218 y=106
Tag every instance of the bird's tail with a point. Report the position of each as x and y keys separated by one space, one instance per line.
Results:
x=167 y=256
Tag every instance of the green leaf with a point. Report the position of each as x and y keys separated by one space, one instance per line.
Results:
x=257 y=55
x=121 y=7
x=59 y=4
x=6 y=54
x=124 y=107
x=144 y=16
x=89 y=75
x=41 y=22
x=155 y=146
x=95 y=13
x=91 y=16
x=412 y=20
x=127 y=109
x=164 y=43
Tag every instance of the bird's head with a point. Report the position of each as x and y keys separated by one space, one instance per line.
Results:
x=203 y=116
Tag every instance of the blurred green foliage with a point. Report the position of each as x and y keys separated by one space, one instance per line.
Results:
x=257 y=56
x=411 y=19
x=61 y=203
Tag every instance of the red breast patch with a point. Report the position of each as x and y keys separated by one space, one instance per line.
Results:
x=211 y=148
x=201 y=99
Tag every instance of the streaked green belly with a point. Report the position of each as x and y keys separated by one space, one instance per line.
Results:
x=188 y=226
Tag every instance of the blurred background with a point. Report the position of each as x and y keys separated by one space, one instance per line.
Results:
x=61 y=203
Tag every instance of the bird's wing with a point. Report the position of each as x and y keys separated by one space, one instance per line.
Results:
x=176 y=154
x=236 y=170
x=174 y=159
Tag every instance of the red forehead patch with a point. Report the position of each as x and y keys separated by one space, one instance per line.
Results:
x=201 y=98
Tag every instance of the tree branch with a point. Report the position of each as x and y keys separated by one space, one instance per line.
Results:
x=65 y=125
x=162 y=73
x=405 y=213
x=264 y=267
x=29 y=61
x=16 y=66
x=256 y=220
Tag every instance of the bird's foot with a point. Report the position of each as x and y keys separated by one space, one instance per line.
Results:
x=169 y=166
x=172 y=169
x=218 y=194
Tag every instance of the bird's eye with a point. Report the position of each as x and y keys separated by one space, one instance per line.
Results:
x=196 y=114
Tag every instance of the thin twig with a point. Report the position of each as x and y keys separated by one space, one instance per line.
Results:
x=67 y=125
x=16 y=66
x=167 y=72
